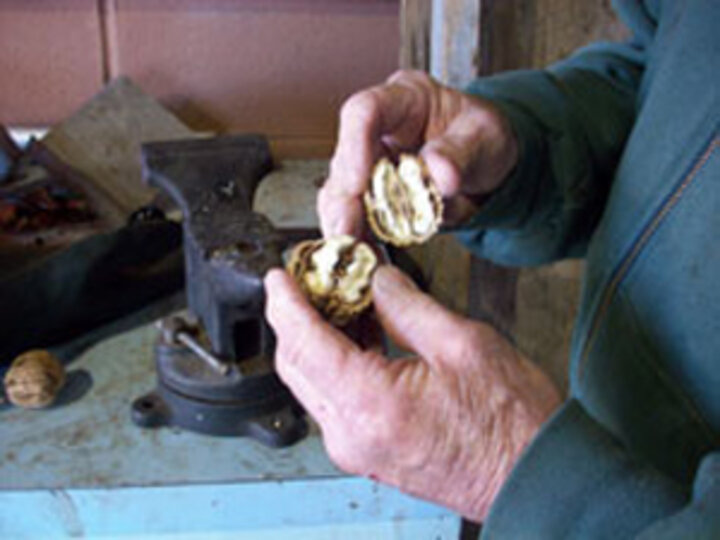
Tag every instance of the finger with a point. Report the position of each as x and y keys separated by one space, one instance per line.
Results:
x=414 y=100
x=302 y=335
x=390 y=114
x=413 y=319
x=449 y=156
x=339 y=213
x=312 y=357
x=474 y=153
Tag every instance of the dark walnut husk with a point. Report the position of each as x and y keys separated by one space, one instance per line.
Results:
x=336 y=275
x=403 y=205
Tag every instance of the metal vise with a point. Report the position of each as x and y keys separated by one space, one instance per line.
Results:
x=216 y=375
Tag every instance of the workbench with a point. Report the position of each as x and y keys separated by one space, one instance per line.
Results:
x=82 y=469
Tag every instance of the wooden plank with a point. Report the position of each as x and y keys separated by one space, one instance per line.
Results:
x=455 y=45
x=415 y=34
x=534 y=33
x=103 y=140
x=446 y=269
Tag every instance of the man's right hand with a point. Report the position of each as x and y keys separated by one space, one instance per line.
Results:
x=467 y=144
x=447 y=423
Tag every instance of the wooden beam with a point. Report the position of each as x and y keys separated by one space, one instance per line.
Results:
x=415 y=34
x=455 y=41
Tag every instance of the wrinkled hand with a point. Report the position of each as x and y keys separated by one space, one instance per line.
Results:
x=447 y=425
x=467 y=144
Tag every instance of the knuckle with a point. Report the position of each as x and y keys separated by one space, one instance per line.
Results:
x=412 y=76
x=467 y=342
x=360 y=107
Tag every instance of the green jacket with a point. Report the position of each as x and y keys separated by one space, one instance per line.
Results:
x=620 y=163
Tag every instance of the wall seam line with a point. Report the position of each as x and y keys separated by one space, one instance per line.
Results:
x=106 y=10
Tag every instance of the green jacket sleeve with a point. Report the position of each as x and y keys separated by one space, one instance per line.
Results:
x=571 y=121
x=577 y=481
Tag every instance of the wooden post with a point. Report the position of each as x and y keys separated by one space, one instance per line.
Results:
x=455 y=42
x=415 y=34
x=442 y=37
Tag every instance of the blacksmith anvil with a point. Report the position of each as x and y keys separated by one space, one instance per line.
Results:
x=215 y=370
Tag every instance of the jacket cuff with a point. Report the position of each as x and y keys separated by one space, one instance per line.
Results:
x=576 y=480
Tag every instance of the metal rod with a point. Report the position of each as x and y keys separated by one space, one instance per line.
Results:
x=210 y=359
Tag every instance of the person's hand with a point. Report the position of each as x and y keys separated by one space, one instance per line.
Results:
x=446 y=425
x=467 y=144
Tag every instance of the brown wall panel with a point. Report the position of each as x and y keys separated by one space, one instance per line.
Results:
x=50 y=59
x=280 y=67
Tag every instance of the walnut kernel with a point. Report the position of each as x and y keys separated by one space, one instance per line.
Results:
x=403 y=205
x=336 y=275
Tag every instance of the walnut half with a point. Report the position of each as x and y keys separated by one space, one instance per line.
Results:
x=403 y=205
x=336 y=275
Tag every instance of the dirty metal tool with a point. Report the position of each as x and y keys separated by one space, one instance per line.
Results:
x=216 y=375
x=175 y=331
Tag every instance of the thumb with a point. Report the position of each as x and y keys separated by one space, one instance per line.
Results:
x=413 y=319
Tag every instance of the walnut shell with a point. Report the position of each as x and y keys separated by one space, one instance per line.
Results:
x=34 y=379
x=336 y=275
x=403 y=205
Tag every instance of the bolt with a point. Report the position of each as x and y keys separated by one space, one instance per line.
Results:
x=227 y=189
x=210 y=359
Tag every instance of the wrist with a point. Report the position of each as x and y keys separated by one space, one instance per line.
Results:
x=520 y=399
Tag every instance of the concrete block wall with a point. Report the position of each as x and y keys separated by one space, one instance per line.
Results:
x=279 y=67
